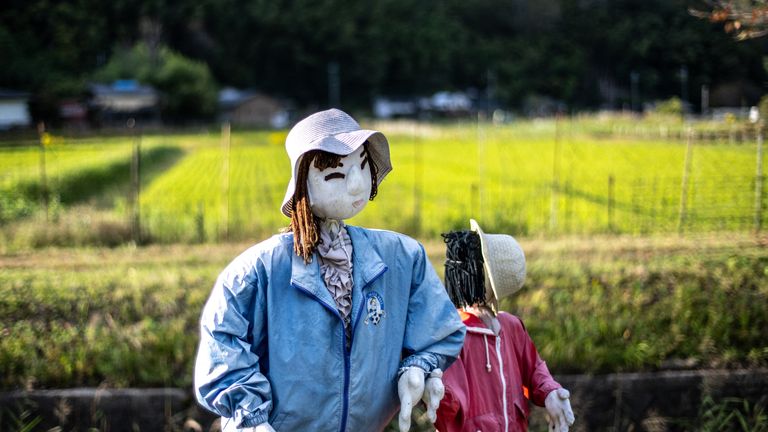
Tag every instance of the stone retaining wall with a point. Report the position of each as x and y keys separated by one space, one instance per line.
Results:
x=661 y=401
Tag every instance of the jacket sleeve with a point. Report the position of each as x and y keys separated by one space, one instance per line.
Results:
x=535 y=373
x=453 y=406
x=228 y=380
x=434 y=332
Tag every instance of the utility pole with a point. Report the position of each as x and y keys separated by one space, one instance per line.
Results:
x=684 y=87
x=634 y=79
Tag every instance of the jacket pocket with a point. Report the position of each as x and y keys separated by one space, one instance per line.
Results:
x=484 y=423
x=522 y=410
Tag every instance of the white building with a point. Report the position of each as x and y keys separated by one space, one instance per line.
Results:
x=14 y=109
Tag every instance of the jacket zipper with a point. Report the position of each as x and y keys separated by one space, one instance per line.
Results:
x=345 y=402
x=345 y=399
x=503 y=383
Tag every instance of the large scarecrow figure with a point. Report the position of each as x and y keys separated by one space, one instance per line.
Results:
x=498 y=368
x=327 y=327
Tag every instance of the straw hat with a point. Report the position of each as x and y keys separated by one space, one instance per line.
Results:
x=504 y=262
x=336 y=132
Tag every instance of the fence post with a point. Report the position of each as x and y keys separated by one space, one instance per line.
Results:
x=759 y=179
x=418 y=178
x=226 y=143
x=135 y=183
x=43 y=176
x=480 y=165
x=684 y=185
x=200 y=222
x=611 y=183
x=555 y=177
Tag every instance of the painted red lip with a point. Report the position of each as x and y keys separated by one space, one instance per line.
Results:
x=358 y=203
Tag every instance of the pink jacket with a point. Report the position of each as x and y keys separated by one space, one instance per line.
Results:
x=486 y=388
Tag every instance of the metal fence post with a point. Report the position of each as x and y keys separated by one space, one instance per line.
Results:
x=418 y=178
x=135 y=183
x=555 y=177
x=759 y=179
x=611 y=185
x=684 y=185
x=43 y=176
x=226 y=143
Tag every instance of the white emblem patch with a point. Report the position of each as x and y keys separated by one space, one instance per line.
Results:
x=375 y=309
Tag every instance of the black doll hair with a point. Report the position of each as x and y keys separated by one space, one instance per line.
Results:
x=464 y=273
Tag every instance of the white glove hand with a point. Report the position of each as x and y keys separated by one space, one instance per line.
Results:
x=434 y=393
x=559 y=413
x=410 y=387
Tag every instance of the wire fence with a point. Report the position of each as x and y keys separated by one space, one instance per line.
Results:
x=231 y=187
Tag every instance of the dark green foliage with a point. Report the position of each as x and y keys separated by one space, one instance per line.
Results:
x=731 y=415
x=188 y=91
x=562 y=49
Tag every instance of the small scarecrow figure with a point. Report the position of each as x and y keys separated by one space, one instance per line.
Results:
x=498 y=368
x=328 y=326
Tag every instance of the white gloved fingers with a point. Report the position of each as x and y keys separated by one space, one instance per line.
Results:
x=410 y=388
x=406 y=407
x=565 y=395
x=433 y=393
x=569 y=417
x=559 y=410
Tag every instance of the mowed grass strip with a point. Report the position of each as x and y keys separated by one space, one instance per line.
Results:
x=129 y=316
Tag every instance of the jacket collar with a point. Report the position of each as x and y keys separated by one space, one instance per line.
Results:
x=367 y=265
x=475 y=325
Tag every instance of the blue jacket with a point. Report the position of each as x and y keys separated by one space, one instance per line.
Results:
x=272 y=342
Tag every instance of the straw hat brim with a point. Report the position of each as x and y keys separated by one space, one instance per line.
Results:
x=504 y=262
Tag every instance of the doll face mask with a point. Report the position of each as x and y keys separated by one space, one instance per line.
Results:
x=341 y=192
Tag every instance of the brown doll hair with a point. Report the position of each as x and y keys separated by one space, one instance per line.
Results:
x=304 y=224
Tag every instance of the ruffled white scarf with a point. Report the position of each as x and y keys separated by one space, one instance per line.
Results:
x=335 y=251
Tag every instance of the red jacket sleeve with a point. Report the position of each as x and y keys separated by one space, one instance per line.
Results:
x=535 y=374
x=450 y=414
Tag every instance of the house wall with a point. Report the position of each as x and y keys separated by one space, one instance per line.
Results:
x=14 y=113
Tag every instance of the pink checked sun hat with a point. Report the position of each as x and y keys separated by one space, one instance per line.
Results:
x=504 y=262
x=336 y=132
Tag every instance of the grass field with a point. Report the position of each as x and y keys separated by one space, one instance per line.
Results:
x=545 y=177
x=129 y=316
x=597 y=207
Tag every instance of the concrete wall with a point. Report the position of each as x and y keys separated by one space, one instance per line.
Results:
x=662 y=401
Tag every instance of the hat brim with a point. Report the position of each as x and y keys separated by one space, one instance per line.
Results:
x=503 y=260
x=343 y=144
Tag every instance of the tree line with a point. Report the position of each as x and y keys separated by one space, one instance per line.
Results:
x=585 y=54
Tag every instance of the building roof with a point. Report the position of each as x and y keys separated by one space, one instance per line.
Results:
x=12 y=94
